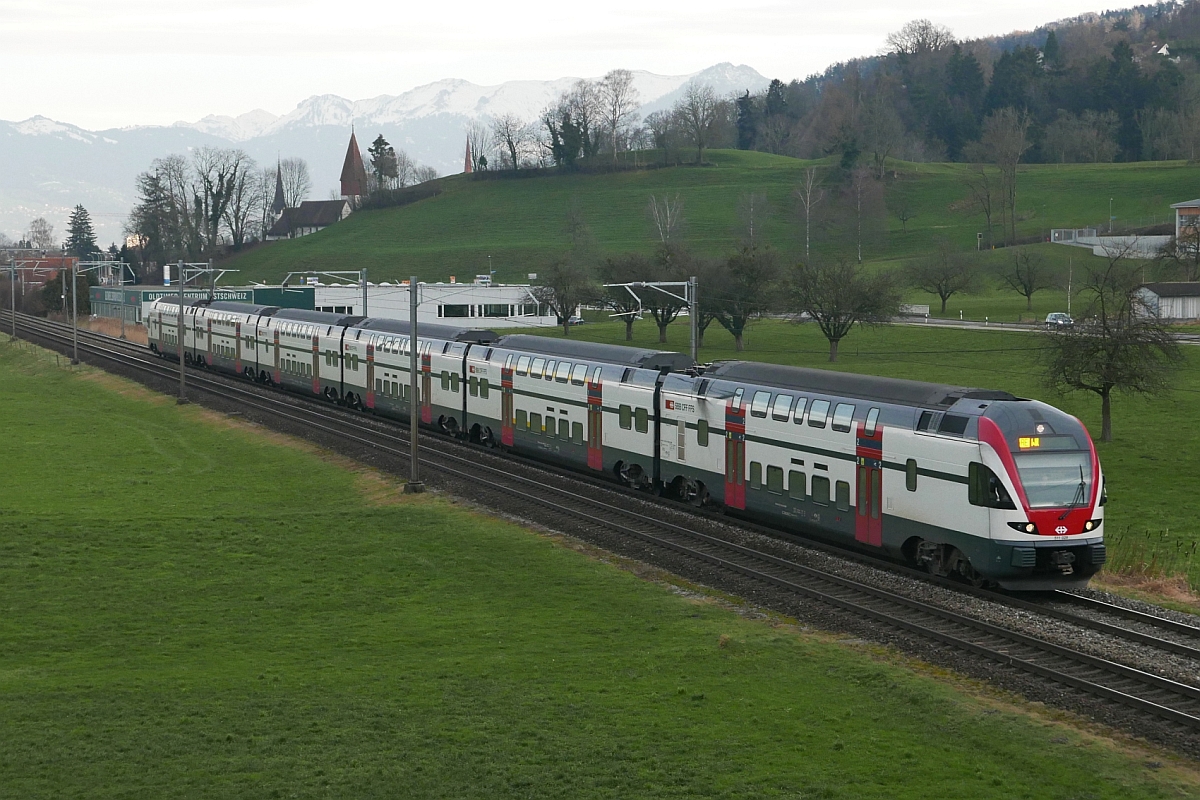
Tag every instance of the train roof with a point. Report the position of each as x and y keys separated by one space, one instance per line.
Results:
x=242 y=308
x=866 y=387
x=452 y=333
x=594 y=351
x=318 y=317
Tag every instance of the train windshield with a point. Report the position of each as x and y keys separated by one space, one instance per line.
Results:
x=1055 y=479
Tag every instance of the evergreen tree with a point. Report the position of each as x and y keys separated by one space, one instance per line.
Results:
x=81 y=238
x=1050 y=51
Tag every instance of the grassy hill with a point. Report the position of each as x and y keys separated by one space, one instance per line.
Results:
x=520 y=223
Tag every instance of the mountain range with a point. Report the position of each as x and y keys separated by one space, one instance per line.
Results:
x=47 y=166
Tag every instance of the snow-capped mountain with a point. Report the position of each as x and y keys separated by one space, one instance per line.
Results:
x=47 y=167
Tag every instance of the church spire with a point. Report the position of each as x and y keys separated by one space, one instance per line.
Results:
x=280 y=202
x=468 y=165
x=354 y=172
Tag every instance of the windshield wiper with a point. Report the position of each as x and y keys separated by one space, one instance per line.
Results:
x=1077 y=500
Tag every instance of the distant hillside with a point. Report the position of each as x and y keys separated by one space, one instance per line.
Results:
x=47 y=166
x=521 y=223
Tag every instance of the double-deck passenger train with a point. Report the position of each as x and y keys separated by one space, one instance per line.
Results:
x=972 y=483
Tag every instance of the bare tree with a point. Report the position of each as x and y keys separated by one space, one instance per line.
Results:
x=667 y=215
x=620 y=102
x=748 y=291
x=1004 y=142
x=1120 y=343
x=217 y=172
x=424 y=174
x=697 y=112
x=565 y=285
x=841 y=295
x=296 y=181
x=1182 y=253
x=810 y=193
x=671 y=263
x=1026 y=274
x=243 y=201
x=585 y=102
x=982 y=196
x=41 y=235
x=918 y=37
x=264 y=197
x=944 y=273
x=753 y=213
x=882 y=129
x=509 y=133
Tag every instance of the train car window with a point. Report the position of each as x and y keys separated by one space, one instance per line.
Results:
x=564 y=429
x=775 y=480
x=535 y=423
x=820 y=490
x=755 y=475
x=782 y=407
x=577 y=432
x=700 y=392
x=910 y=474
x=818 y=413
x=843 y=416
x=579 y=374
x=473 y=386
x=641 y=420
x=550 y=369
x=625 y=417
x=737 y=399
x=454 y=382
x=488 y=355
x=483 y=388
x=872 y=421
x=702 y=433
x=796 y=484
x=925 y=421
x=1103 y=491
x=596 y=375
x=523 y=419
x=758 y=406
x=445 y=348
x=843 y=495
x=507 y=361
x=551 y=426
x=985 y=489
x=798 y=412
x=445 y=381
x=953 y=424
x=523 y=365
x=563 y=373
x=625 y=375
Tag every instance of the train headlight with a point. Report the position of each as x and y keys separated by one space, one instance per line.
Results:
x=1092 y=524
x=1023 y=527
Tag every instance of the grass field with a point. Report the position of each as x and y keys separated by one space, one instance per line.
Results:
x=1153 y=515
x=192 y=611
x=521 y=223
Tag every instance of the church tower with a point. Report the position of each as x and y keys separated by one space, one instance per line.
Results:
x=468 y=165
x=279 y=203
x=354 y=173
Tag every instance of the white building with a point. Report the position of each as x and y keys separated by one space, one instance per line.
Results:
x=1173 y=301
x=475 y=304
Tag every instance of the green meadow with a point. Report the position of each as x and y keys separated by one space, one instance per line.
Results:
x=1153 y=511
x=521 y=223
x=190 y=607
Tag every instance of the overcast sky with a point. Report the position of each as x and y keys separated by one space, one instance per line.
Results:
x=110 y=63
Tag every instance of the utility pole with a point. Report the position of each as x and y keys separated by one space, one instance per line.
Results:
x=182 y=398
x=12 y=296
x=363 y=277
x=694 y=317
x=74 y=314
x=414 y=485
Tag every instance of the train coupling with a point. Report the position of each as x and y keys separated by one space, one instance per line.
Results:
x=1063 y=561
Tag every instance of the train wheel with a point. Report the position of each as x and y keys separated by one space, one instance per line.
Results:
x=632 y=475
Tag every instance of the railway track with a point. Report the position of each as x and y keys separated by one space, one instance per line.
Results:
x=554 y=499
